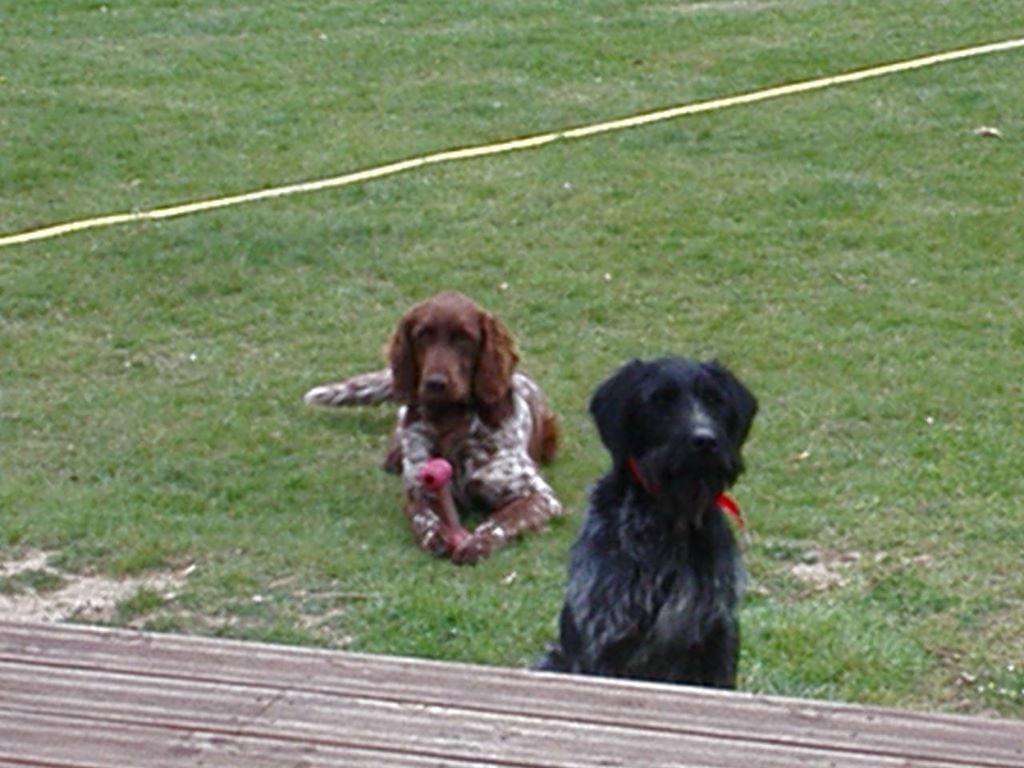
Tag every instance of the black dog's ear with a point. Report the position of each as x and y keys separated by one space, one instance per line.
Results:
x=741 y=400
x=608 y=407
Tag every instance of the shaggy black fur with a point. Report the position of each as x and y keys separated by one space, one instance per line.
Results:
x=655 y=576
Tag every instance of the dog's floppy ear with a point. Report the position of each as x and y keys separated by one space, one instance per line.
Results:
x=608 y=408
x=741 y=400
x=402 y=357
x=496 y=362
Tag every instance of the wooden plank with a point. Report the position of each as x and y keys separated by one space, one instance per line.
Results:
x=813 y=726
x=275 y=716
x=28 y=739
x=137 y=689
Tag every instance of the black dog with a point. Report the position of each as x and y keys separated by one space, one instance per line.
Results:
x=655 y=576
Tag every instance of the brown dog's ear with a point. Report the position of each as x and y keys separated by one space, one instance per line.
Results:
x=401 y=355
x=497 y=361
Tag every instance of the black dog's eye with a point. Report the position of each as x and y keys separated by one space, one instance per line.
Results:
x=665 y=395
x=712 y=397
x=709 y=394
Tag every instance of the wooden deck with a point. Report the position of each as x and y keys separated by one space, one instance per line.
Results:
x=78 y=696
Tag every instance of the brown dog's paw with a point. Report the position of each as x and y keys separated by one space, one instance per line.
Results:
x=473 y=550
x=429 y=534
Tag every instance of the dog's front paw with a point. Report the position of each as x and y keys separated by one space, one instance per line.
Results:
x=484 y=540
x=433 y=542
x=472 y=550
x=430 y=535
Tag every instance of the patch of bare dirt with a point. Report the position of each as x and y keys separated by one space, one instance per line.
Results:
x=824 y=572
x=78 y=596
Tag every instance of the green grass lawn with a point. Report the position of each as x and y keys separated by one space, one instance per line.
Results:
x=853 y=254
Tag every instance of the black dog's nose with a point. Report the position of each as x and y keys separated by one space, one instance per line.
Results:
x=435 y=384
x=703 y=439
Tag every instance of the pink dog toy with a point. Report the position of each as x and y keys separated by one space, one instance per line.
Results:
x=435 y=474
x=434 y=477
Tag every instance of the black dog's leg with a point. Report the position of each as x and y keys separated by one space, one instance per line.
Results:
x=716 y=659
x=560 y=655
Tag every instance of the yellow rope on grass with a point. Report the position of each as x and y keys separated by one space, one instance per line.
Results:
x=529 y=142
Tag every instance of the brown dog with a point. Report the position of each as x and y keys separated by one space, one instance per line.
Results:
x=453 y=366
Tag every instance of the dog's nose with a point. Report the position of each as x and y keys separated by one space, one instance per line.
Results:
x=435 y=384
x=703 y=439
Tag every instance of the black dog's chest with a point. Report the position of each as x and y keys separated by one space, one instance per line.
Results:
x=687 y=573
x=689 y=577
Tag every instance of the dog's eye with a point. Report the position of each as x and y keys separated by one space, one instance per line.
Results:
x=664 y=395
x=423 y=334
x=462 y=340
x=711 y=396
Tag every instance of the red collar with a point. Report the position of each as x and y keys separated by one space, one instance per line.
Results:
x=723 y=501
x=728 y=504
